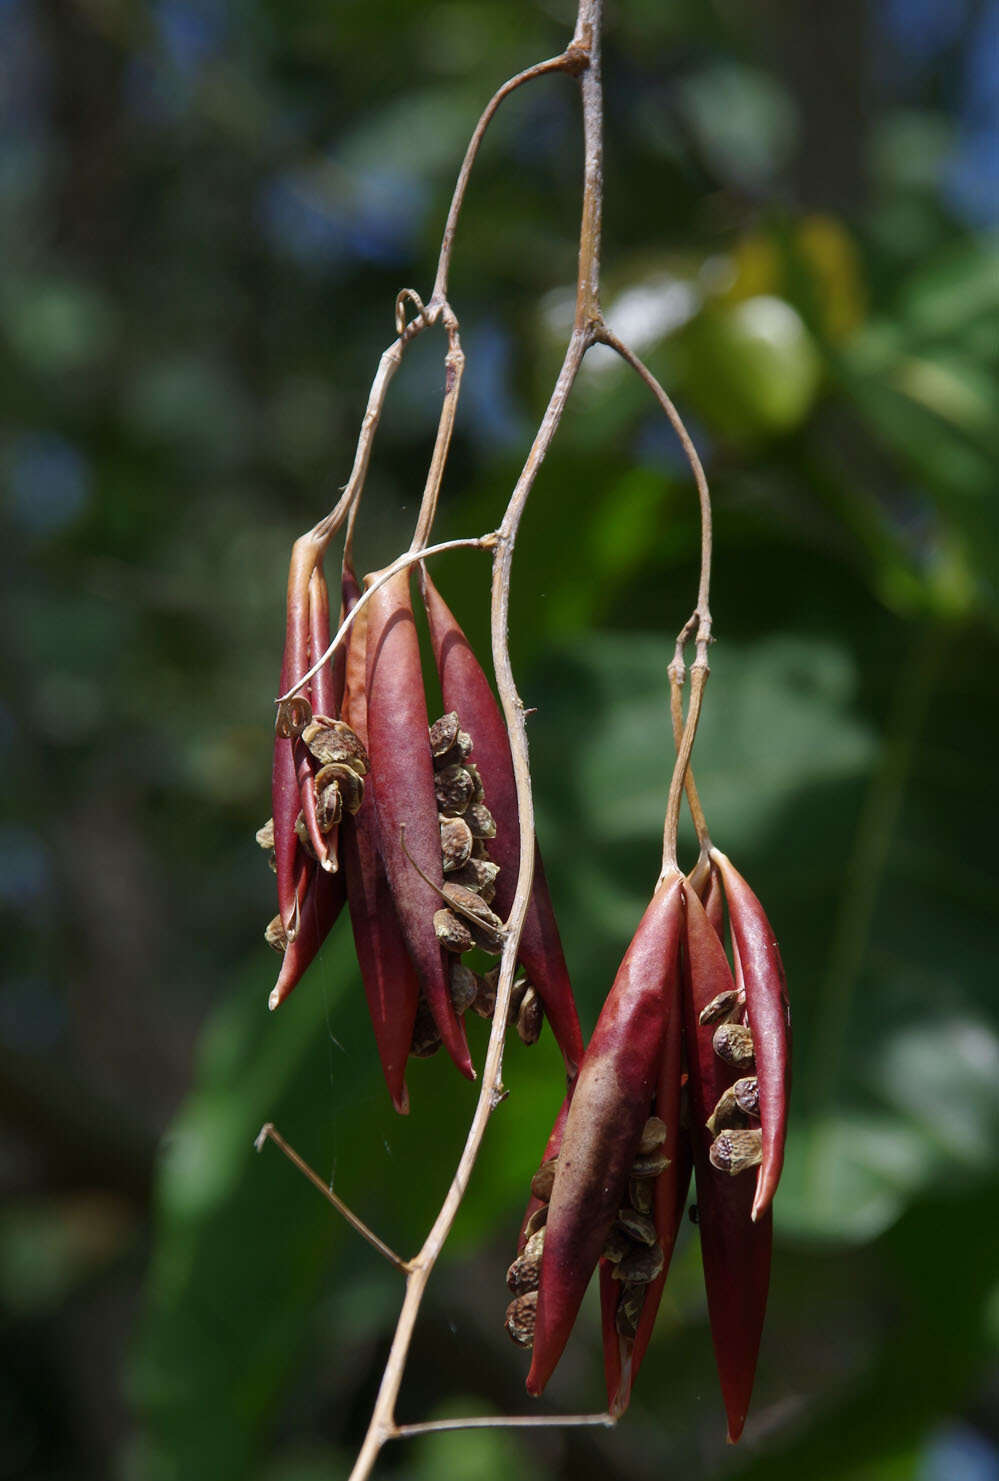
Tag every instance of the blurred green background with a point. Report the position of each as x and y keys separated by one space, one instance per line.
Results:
x=206 y=210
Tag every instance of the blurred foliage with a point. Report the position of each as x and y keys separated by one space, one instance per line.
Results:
x=206 y=211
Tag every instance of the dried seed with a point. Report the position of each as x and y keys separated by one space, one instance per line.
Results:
x=293 y=715
x=333 y=741
x=426 y=1039
x=641 y=1265
x=443 y=734
x=649 y=1166
x=329 y=807
x=722 y=1007
x=530 y=1018
x=726 y=1114
x=265 y=835
x=452 y=932
x=485 y=998
x=653 y=1135
x=541 y=1183
x=456 y=843
x=747 y=1093
x=480 y=849
x=523 y=1276
x=275 y=935
x=350 y=782
x=735 y=1151
x=537 y=1221
x=486 y=927
x=478 y=791
x=481 y=821
x=520 y=1317
x=640 y=1194
x=629 y=1309
x=454 y=787
x=733 y=1042
x=616 y=1246
x=535 y=1245
x=638 y=1226
x=464 y=986
x=302 y=834
x=517 y=994
x=478 y=875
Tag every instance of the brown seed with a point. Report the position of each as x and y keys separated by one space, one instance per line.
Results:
x=456 y=843
x=265 y=835
x=629 y=1309
x=733 y=1042
x=735 y=1151
x=517 y=994
x=481 y=821
x=485 y=998
x=747 y=1093
x=530 y=1018
x=452 y=932
x=478 y=791
x=523 y=1276
x=478 y=875
x=642 y=1265
x=649 y=1166
x=333 y=741
x=640 y=1194
x=535 y=1245
x=275 y=935
x=350 y=782
x=486 y=927
x=464 y=987
x=329 y=807
x=653 y=1135
x=443 y=734
x=520 y=1316
x=616 y=1246
x=453 y=786
x=637 y=1226
x=426 y=1039
x=543 y=1179
x=537 y=1221
x=726 y=1114
x=302 y=834
x=722 y=1007
x=293 y=715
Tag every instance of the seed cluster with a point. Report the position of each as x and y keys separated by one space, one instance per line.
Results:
x=632 y=1246
x=466 y=921
x=738 y=1143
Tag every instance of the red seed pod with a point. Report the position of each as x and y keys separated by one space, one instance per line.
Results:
x=610 y=1105
x=406 y=801
x=760 y=972
x=735 y=1251
x=390 y=982
x=322 y=903
x=622 y=1354
x=467 y=691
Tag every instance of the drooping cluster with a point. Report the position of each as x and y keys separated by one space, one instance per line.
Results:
x=687 y=1070
x=414 y=826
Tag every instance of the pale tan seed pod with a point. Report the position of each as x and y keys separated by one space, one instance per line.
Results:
x=275 y=935
x=520 y=1318
x=481 y=821
x=464 y=985
x=329 y=807
x=722 y=1007
x=456 y=843
x=293 y=715
x=638 y=1227
x=333 y=741
x=452 y=932
x=726 y=1114
x=453 y=786
x=747 y=1093
x=733 y=1042
x=641 y=1194
x=426 y=1039
x=530 y=1018
x=537 y=1221
x=616 y=1245
x=523 y=1276
x=736 y=1151
x=265 y=836
x=653 y=1135
x=642 y=1265
x=629 y=1309
x=350 y=782
x=649 y=1166
x=478 y=875
x=535 y=1245
x=543 y=1180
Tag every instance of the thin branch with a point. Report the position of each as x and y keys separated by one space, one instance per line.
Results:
x=269 y=1132
x=693 y=798
x=506 y=1422
x=454 y=366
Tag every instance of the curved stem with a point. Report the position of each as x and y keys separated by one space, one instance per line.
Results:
x=693 y=798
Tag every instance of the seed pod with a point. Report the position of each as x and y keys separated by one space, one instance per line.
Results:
x=735 y=1251
x=736 y=1151
x=733 y=1042
x=520 y=1318
x=727 y=1114
x=452 y=932
x=530 y=1018
x=541 y=1183
x=638 y=1227
x=464 y=987
x=349 y=782
x=391 y=986
x=334 y=743
x=322 y=902
x=606 y=1118
x=454 y=788
x=723 y=1007
x=405 y=801
x=467 y=691
x=522 y=1276
x=456 y=843
x=760 y=972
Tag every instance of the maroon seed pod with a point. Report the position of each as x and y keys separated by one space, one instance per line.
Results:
x=760 y=972
x=405 y=800
x=735 y=1251
x=610 y=1106
x=323 y=900
x=467 y=691
x=391 y=986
